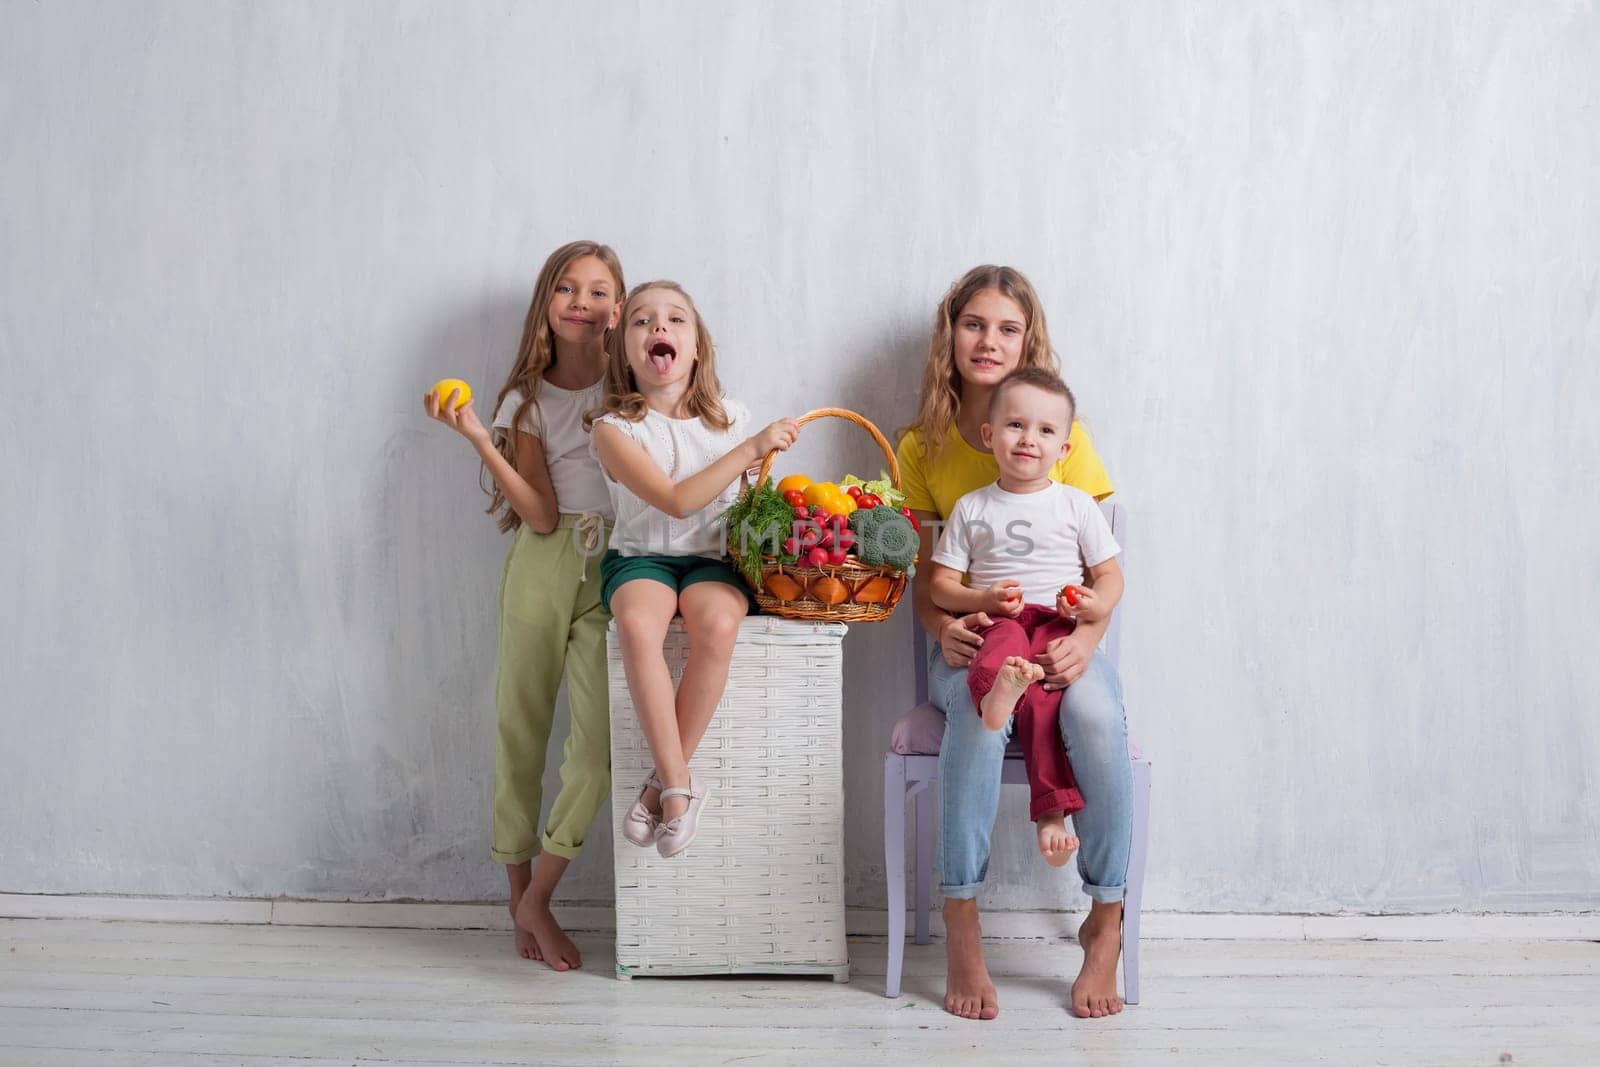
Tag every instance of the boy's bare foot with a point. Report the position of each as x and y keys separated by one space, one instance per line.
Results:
x=1012 y=680
x=1094 y=994
x=1056 y=844
x=551 y=943
x=968 y=992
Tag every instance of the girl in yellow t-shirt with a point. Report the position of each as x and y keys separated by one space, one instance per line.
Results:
x=990 y=323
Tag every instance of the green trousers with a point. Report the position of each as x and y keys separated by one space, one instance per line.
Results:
x=551 y=622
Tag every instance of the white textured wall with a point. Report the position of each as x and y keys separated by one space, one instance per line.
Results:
x=1326 y=276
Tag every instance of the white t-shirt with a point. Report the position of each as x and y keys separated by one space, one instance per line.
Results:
x=1043 y=540
x=556 y=418
x=681 y=447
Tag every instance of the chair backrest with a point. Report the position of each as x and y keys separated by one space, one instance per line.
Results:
x=1111 y=643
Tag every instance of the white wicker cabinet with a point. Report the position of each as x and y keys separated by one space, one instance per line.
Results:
x=761 y=890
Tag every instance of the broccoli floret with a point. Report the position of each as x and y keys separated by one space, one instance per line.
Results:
x=886 y=538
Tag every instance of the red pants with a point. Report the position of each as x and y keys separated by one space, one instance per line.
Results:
x=1037 y=724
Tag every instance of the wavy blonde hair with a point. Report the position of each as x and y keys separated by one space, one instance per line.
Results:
x=535 y=355
x=941 y=381
x=622 y=396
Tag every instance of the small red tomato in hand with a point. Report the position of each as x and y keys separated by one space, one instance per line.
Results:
x=1069 y=593
x=816 y=557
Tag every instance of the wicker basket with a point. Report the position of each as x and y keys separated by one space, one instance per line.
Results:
x=871 y=592
x=761 y=890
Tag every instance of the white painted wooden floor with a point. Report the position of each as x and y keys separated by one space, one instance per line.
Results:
x=81 y=992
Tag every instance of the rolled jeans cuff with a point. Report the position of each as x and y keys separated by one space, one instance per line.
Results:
x=1105 y=894
x=962 y=892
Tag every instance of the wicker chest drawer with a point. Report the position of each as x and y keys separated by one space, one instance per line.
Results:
x=761 y=890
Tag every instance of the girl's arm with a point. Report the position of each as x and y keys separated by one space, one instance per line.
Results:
x=1066 y=658
x=626 y=461
x=527 y=485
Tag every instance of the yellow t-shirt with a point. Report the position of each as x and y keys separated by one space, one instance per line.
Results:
x=961 y=468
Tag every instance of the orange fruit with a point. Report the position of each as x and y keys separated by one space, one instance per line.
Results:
x=822 y=494
x=793 y=481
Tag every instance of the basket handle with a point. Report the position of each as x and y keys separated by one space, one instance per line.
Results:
x=849 y=416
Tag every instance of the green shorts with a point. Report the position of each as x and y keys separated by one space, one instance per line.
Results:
x=675 y=572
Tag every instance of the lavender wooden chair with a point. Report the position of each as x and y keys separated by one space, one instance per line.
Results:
x=912 y=765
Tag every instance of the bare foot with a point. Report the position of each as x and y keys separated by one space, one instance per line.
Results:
x=1012 y=680
x=527 y=947
x=551 y=942
x=968 y=992
x=1055 y=843
x=1094 y=994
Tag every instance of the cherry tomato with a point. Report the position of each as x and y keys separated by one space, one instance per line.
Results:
x=870 y=500
x=1070 y=594
x=854 y=491
x=794 y=498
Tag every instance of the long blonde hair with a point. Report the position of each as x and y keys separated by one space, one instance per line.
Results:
x=941 y=381
x=622 y=396
x=535 y=355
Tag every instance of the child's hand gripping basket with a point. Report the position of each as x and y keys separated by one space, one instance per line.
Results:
x=865 y=587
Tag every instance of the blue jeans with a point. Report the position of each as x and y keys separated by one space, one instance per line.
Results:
x=1094 y=728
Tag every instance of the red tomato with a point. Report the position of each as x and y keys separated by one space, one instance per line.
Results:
x=794 y=498
x=1070 y=594
x=854 y=491
x=870 y=500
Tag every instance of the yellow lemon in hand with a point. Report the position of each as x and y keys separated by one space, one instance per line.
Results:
x=462 y=390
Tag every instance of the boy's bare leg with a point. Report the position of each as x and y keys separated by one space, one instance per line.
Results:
x=533 y=915
x=519 y=874
x=1094 y=994
x=1010 y=682
x=1056 y=842
x=968 y=990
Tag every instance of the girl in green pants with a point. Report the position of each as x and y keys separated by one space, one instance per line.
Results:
x=550 y=492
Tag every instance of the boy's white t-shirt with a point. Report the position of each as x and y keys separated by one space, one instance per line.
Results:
x=681 y=447
x=1042 y=540
x=556 y=418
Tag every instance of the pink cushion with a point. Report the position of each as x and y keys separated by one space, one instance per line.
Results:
x=920 y=731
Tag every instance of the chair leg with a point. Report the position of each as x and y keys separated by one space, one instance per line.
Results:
x=1134 y=894
x=894 y=866
x=924 y=861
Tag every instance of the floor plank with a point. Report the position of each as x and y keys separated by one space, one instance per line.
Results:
x=145 y=993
